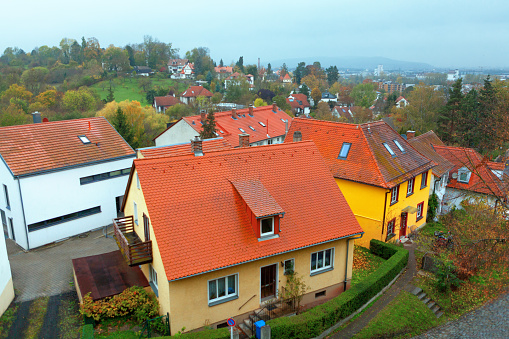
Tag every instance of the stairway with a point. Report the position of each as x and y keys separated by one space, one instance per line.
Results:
x=246 y=326
x=433 y=306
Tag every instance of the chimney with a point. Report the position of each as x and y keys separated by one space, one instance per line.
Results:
x=274 y=106
x=286 y=127
x=234 y=113
x=410 y=134
x=203 y=116
x=251 y=109
x=196 y=146
x=37 y=117
x=243 y=140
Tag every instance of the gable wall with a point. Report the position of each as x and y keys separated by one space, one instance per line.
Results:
x=178 y=133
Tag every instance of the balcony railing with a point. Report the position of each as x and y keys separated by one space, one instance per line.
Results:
x=135 y=251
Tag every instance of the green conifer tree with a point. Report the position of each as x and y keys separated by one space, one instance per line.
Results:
x=123 y=127
x=209 y=127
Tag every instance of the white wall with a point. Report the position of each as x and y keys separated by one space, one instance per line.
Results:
x=178 y=133
x=59 y=193
x=454 y=197
x=15 y=213
x=6 y=288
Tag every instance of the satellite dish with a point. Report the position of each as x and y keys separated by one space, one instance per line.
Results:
x=455 y=175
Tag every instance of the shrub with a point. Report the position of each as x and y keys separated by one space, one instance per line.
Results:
x=132 y=301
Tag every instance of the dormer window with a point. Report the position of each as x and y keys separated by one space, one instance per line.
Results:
x=389 y=149
x=345 y=149
x=399 y=146
x=463 y=175
x=84 y=139
x=267 y=226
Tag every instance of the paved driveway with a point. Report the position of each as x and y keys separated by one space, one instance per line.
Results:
x=47 y=271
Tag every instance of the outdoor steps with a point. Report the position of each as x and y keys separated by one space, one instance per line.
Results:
x=245 y=329
x=433 y=306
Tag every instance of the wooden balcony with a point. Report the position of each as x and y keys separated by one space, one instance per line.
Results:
x=135 y=251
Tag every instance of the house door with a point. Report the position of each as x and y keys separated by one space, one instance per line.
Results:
x=118 y=202
x=268 y=281
x=402 y=228
x=146 y=227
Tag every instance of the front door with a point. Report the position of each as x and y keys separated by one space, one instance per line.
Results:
x=402 y=229
x=268 y=281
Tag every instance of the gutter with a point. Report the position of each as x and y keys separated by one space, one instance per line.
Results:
x=346 y=262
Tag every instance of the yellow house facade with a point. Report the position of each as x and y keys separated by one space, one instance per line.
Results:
x=226 y=228
x=385 y=181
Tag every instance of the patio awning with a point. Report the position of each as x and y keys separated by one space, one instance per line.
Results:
x=409 y=209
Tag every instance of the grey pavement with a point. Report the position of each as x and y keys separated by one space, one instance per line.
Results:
x=488 y=321
x=47 y=271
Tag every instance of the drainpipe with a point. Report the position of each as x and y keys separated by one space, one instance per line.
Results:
x=346 y=262
x=385 y=209
x=23 y=210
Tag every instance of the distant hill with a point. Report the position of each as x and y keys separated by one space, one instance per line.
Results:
x=359 y=63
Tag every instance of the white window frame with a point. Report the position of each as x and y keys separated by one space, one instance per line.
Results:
x=137 y=181
x=410 y=187
x=399 y=146
x=261 y=228
x=324 y=268
x=395 y=195
x=84 y=139
x=227 y=296
x=424 y=179
x=463 y=172
x=420 y=206
x=135 y=213
x=389 y=149
x=152 y=279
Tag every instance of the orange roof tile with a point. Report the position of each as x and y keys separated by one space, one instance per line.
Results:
x=424 y=143
x=264 y=124
x=195 y=91
x=257 y=198
x=33 y=148
x=209 y=145
x=166 y=101
x=202 y=225
x=368 y=161
x=482 y=180
x=298 y=100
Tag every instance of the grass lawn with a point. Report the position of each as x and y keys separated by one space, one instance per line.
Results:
x=405 y=316
x=7 y=319
x=36 y=317
x=364 y=263
x=128 y=88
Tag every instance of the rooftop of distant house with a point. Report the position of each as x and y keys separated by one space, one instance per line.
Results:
x=425 y=143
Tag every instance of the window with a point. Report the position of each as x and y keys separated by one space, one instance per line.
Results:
x=390 y=228
x=269 y=141
x=464 y=176
x=64 y=218
x=289 y=266
x=137 y=181
x=242 y=130
x=104 y=176
x=320 y=294
x=261 y=123
x=266 y=226
x=410 y=187
x=84 y=139
x=424 y=179
x=152 y=279
x=419 y=211
x=7 y=202
x=389 y=149
x=345 y=148
x=135 y=213
x=399 y=146
x=394 y=195
x=222 y=289
x=322 y=261
x=252 y=128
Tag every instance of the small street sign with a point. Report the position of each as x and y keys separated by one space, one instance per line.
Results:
x=230 y=322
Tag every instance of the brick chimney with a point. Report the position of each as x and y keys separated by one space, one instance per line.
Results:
x=251 y=109
x=410 y=134
x=196 y=146
x=203 y=116
x=243 y=140
x=234 y=113
x=36 y=117
x=274 y=106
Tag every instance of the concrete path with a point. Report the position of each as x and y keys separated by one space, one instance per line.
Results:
x=489 y=321
x=47 y=271
x=401 y=284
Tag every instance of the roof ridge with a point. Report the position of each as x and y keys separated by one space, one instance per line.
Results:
x=53 y=122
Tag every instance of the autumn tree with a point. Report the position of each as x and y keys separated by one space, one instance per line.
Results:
x=81 y=100
x=34 y=79
x=323 y=112
x=178 y=111
x=363 y=94
x=316 y=95
x=116 y=59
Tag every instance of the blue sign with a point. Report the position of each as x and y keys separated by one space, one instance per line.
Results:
x=230 y=322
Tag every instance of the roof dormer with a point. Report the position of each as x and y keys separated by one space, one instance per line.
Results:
x=463 y=175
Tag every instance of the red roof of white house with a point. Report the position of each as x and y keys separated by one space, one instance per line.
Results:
x=368 y=161
x=224 y=69
x=195 y=205
x=47 y=146
x=264 y=124
x=195 y=91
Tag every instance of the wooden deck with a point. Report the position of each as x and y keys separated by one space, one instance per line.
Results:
x=135 y=251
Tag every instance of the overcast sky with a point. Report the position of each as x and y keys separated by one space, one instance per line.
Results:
x=443 y=33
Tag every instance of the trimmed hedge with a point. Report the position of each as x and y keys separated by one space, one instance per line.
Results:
x=318 y=319
x=88 y=332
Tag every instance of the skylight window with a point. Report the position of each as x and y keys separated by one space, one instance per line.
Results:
x=84 y=139
x=389 y=149
x=345 y=149
x=261 y=123
x=242 y=130
x=399 y=146
x=283 y=120
x=221 y=131
x=252 y=128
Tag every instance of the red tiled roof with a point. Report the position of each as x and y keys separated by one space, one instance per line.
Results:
x=287 y=77
x=195 y=91
x=368 y=161
x=496 y=166
x=178 y=62
x=198 y=217
x=229 y=128
x=48 y=146
x=482 y=180
x=208 y=145
x=224 y=69
x=295 y=102
x=166 y=101
x=424 y=143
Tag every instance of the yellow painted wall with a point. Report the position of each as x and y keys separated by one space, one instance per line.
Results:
x=189 y=299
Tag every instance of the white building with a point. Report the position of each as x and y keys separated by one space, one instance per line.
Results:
x=6 y=288
x=61 y=178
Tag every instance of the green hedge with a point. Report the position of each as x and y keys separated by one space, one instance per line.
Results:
x=318 y=319
x=88 y=332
